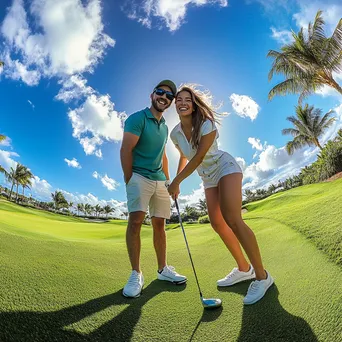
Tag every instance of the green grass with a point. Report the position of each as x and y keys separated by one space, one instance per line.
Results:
x=61 y=278
x=313 y=210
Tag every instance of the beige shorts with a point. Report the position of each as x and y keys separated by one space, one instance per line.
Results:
x=224 y=166
x=143 y=193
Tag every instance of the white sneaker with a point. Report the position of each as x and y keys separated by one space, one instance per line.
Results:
x=257 y=289
x=236 y=276
x=134 y=285
x=169 y=274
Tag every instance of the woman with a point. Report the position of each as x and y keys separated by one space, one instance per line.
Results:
x=196 y=139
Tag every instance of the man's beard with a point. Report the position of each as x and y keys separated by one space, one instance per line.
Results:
x=156 y=105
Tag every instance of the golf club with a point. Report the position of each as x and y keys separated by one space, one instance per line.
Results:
x=208 y=303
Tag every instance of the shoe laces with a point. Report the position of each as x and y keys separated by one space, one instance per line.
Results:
x=134 y=278
x=254 y=287
x=232 y=273
x=170 y=269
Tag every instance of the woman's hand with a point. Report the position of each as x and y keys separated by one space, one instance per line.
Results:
x=174 y=190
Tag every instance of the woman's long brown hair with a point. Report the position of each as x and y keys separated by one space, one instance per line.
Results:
x=202 y=111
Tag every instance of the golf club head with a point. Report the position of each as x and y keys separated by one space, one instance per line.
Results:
x=211 y=303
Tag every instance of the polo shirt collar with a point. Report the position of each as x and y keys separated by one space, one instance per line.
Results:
x=150 y=115
x=178 y=128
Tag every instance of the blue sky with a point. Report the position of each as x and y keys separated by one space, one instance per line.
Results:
x=75 y=69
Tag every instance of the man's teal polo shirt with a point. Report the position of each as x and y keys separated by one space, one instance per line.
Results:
x=148 y=152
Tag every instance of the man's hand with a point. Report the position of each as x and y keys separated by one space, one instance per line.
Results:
x=128 y=178
x=174 y=190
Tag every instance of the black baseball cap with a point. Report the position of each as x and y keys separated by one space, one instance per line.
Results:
x=169 y=84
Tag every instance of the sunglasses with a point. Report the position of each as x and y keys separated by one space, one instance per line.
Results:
x=161 y=92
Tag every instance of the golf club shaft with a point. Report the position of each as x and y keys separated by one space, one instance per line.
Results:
x=187 y=246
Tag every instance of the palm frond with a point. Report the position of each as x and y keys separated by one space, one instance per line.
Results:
x=291 y=86
x=309 y=61
x=290 y=131
x=333 y=49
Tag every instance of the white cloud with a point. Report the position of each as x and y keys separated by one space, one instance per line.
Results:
x=74 y=87
x=255 y=143
x=245 y=106
x=241 y=162
x=31 y=104
x=282 y=36
x=6 y=160
x=110 y=183
x=66 y=38
x=41 y=189
x=120 y=207
x=193 y=198
x=274 y=164
x=332 y=13
x=171 y=13
x=90 y=144
x=6 y=142
x=326 y=91
x=73 y=163
x=332 y=131
x=97 y=117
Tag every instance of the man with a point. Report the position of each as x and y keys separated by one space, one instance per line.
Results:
x=146 y=173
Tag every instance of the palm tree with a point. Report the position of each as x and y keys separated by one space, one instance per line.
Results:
x=26 y=183
x=309 y=126
x=261 y=193
x=24 y=179
x=108 y=210
x=309 y=62
x=88 y=209
x=202 y=207
x=59 y=200
x=14 y=176
x=80 y=208
x=338 y=137
x=97 y=210
x=271 y=189
x=249 y=194
x=2 y=138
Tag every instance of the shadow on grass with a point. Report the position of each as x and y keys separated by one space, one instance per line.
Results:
x=268 y=321
x=24 y=326
x=208 y=315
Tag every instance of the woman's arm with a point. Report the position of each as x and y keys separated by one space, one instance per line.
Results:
x=204 y=145
x=182 y=160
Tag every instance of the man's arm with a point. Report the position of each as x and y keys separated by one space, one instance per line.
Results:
x=166 y=165
x=128 y=143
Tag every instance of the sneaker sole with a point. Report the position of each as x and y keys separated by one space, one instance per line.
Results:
x=137 y=296
x=173 y=281
x=256 y=300
x=239 y=281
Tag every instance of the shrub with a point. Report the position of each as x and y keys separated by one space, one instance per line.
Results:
x=329 y=163
x=330 y=160
x=204 y=219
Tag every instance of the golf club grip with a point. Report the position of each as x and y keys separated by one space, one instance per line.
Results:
x=187 y=245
